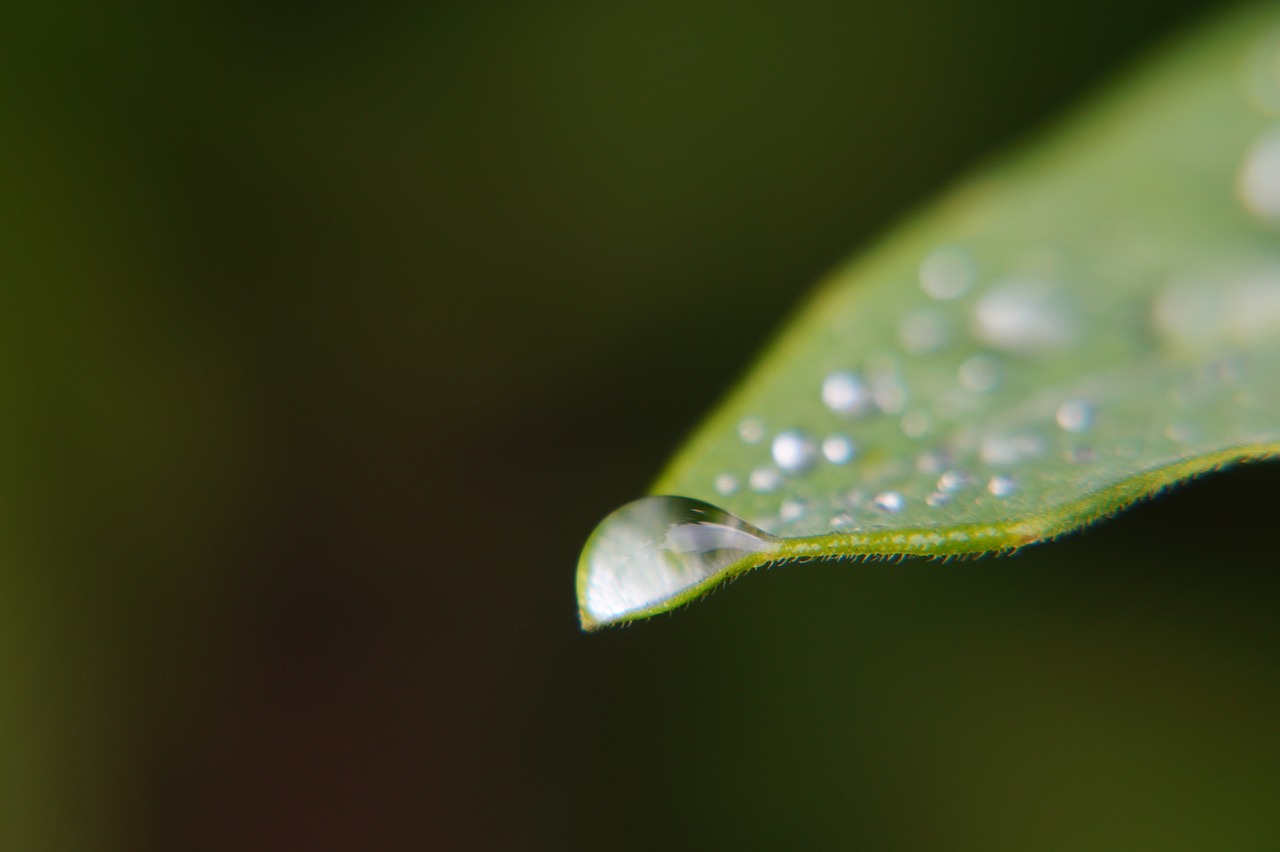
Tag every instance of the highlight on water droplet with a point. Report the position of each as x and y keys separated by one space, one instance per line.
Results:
x=1001 y=486
x=838 y=449
x=888 y=501
x=656 y=553
x=845 y=393
x=794 y=452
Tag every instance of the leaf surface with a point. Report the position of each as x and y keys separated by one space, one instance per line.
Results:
x=1091 y=320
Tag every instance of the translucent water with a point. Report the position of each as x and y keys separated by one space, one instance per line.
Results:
x=653 y=550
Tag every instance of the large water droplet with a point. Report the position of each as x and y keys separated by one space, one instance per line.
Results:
x=659 y=550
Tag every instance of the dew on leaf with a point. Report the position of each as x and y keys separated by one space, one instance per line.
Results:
x=1001 y=485
x=837 y=449
x=1258 y=181
x=1004 y=450
x=946 y=273
x=750 y=430
x=764 y=479
x=888 y=501
x=845 y=393
x=841 y=521
x=792 y=509
x=1074 y=416
x=954 y=480
x=922 y=332
x=794 y=452
x=1208 y=310
x=979 y=374
x=937 y=499
x=726 y=484
x=932 y=462
x=915 y=424
x=655 y=549
x=1025 y=316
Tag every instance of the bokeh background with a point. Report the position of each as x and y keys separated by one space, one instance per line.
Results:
x=328 y=332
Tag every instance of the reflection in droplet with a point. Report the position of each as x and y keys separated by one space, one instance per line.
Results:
x=845 y=393
x=888 y=501
x=946 y=273
x=1001 y=486
x=655 y=549
x=1074 y=416
x=837 y=449
x=764 y=479
x=726 y=484
x=750 y=430
x=794 y=451
x=1026 y=316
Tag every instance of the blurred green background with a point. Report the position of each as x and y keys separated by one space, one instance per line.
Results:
x=329 y=331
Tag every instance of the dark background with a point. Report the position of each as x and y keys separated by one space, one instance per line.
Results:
x=329 y=331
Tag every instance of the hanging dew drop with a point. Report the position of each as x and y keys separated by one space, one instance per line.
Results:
x=657 y=552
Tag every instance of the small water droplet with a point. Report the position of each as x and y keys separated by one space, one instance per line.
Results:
x=794 y=451
x=750 y=430
x=1006 y=450
x=979 y=374
x=792 y=509
x=726 y=484
x=845 y=393
x=1258 y=181
x=922 y=332
x=764 y=479
x=887 y=388
x=946 y=273
x=937 y=499
x=1074 y=416
x=915 y=424
x=932 y=462
x=1026 y=316
x=954 y=480
x=1179 y=433
x=1001 y=486
x=837 y=449
x=841 y=521
x=888 y=501
x=655 y=549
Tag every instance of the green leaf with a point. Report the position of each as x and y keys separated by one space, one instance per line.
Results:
x=1094 y=319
